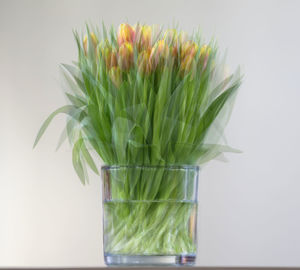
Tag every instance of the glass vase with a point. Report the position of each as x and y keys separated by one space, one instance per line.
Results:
x=150 y=215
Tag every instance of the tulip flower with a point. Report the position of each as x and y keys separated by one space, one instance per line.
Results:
x=125 y=34
x=115 y=76
x=85 y=44
x=110 y=57
x=189 y=49
x=204 y=54
x=94 y=42
x=187 y=63
x=205 y=50
x=174 y=52
x=159 y=53
x=162 y=48
x=108 y=54
x=144 y=64
x=143 y=38
x=125 y=56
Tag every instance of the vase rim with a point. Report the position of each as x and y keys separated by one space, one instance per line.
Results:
x=172 y=167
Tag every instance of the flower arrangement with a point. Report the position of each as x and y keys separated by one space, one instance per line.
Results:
x=147 y=97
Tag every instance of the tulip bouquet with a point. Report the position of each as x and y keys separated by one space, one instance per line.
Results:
x=141 y=96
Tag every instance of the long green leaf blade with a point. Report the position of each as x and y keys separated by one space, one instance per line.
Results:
x=65 y=109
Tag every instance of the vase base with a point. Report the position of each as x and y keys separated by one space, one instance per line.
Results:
x=150 y=260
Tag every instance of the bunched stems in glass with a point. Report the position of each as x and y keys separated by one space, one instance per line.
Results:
x=150 y=214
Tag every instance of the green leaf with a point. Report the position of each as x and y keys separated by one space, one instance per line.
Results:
x=120 y=136
x=65 y=109
x=211 y=151
x=76 y=160
x=63 y=136
x=88 y=158
x=218 y=89
x=212 y=112
x=76 y=100
x=75 y=73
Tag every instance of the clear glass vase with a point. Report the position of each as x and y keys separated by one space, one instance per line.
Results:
x=150 y=215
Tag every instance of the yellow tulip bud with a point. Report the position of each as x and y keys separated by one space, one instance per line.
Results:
x=115 y=76
x=162 y=48
x=94 y=42
x=203 y=50
x=204 y=54
x=94 y=39
x=125 y=56
x=125 y=34
x=109 y=54
x=143 y=37
x=144 y=65
x=159 y=53
x=85 y=44
x=187 y=64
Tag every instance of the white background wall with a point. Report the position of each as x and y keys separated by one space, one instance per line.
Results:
x=249 y=208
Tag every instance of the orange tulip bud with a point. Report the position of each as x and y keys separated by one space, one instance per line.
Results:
x=188 y=48
x=125 y=56
x=162 y=48
x=187 y=63
x=174 y=51
x=125 y=34
x=111 y=60
x=110 y=57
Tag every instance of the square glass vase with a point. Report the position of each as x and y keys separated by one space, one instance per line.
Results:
x=150 y=215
